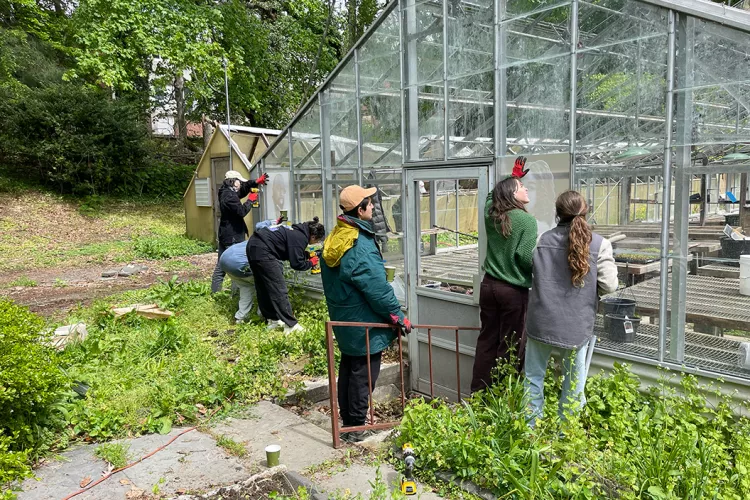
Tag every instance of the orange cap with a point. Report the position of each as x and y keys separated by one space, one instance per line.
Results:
x=351 y=196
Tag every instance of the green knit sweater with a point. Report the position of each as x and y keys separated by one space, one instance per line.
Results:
x=509 y=259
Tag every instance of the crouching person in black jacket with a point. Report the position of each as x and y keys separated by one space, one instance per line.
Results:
x=265 y=249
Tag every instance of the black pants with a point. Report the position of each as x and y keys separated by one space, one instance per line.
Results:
x=271 y=291
x=502 y=310
x=353 y=387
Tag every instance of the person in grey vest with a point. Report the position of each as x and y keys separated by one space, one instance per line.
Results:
x=571 y=266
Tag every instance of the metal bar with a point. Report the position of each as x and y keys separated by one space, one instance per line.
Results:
x=401 y=370
x=718 y=13
x=332 y=386
x=573 y=88
x=429 y=353
x=369 y=376
x=358 y=112
x=308 y=155
x=500 y=110
x=458 y=367
x=290 y=145
x=376 y=427
x=446 y=124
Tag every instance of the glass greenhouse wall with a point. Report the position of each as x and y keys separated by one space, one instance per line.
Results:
x=643 y=106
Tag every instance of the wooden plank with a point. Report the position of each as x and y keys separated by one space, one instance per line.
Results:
x=718 y=271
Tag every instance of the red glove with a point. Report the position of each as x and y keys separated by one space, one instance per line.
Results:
x=280 y=220
x=314 y=260
x=518 y=170
x=262 y=179
x=406 y=326
x=252 y=197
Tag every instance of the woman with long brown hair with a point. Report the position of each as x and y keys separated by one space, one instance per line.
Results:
x=504 y=293
x=572 y=265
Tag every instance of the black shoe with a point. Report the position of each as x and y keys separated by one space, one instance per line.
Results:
x=356 y=436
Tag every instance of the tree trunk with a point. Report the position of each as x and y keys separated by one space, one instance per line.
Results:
x=179 y=96
x=208 y=131
x=351 y=23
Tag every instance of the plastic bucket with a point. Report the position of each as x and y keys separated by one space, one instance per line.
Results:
x=622 y=328
x=744 y=274
x=616 y=305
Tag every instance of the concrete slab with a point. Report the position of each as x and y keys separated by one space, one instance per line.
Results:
x=192 y=462
x=302 y=443
x=357 y=479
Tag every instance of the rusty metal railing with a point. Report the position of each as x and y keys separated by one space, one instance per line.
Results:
x=333 y=389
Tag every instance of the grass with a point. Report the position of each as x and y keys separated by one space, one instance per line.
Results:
x=83 y=233
x=231 y=446
x=23 y=281
x=115 y=454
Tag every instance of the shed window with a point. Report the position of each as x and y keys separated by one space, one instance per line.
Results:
x=203 y=192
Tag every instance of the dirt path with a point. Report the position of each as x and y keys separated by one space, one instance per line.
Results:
x=59 y=290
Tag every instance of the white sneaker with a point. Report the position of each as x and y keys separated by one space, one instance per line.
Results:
x=293 y=329
x=273 y=325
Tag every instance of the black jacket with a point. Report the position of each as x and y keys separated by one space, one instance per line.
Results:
x=281 y=243
x=232 y=227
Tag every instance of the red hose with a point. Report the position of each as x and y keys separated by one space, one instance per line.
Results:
x=112 y=473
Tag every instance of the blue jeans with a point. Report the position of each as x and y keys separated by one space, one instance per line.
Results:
x=574 y=378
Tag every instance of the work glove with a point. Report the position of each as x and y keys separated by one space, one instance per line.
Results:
x=406 y=326
x=262 y=180
x=280 y=220
x=252 y=197
x=518 y=170
x=314 y=260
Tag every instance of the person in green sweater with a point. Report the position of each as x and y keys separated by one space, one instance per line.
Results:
x=504 y=292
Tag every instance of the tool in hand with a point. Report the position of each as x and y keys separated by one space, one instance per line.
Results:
x=254 y=199
x=408 y=485
x=315 y=260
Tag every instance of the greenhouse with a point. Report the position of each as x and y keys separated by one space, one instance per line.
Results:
x=643 y=106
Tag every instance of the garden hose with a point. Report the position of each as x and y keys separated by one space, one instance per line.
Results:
x=456 y=232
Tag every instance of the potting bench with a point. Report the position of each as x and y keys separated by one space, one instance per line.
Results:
x=709 y=301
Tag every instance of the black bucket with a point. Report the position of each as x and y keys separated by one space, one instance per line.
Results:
x=732 y=249
x=616 y=305
x=618 y=332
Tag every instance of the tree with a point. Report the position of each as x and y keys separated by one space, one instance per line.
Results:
x=359 y=16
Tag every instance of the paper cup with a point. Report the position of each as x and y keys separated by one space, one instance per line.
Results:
x=390 y=273
x=272 y=455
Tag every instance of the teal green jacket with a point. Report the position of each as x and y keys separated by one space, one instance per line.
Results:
x=355 y=287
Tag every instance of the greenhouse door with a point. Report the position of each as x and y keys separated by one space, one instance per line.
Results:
x=445 y=244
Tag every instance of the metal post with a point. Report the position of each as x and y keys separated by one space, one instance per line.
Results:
x=457 y=216
x=229 y=124
x=666 y=190
x=290 y=144
x=501 y=109
x=684 y=125
x=573 y=88
x=358 y=106
x=332 y=386
x=412 y=112
x=446 y=124
x=402 y=73
x=329 y=211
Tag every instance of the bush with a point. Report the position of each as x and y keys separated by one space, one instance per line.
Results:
x=166 y=247
x=31 y=382
x=79 y=140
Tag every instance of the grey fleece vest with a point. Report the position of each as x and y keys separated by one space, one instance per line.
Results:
x=560 y=314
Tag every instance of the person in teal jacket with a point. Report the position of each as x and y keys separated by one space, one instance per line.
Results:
x=356 y=290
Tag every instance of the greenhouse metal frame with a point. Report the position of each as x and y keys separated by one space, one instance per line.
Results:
x=437 y=99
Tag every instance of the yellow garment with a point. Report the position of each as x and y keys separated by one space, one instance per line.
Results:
x=341 y=239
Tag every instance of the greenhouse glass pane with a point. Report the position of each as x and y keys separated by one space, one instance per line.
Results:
x=471 y=38
x=308 y=191
x=611 y=22
x=278 y=157
x=388 y=197
x=380 y=84
x=471 y=114
x=341 y=102
x=540 y=36
x=306 y=140
x=426 y=38
x=622 y=97
x=716 y=84
x=430 y=119
x=538 y=96
x=520 y=9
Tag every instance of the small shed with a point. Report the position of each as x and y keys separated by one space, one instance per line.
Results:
x=200 y=198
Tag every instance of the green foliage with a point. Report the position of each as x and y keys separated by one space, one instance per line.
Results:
x=14 y=466
x=115 y=454
x=79 y=140
x=31 y=383
x=231 y=446
x=166 y=247
x=23 y=281
x=666 y=444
